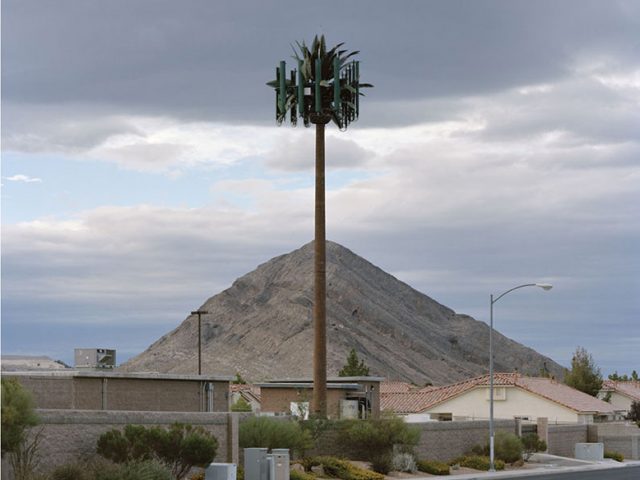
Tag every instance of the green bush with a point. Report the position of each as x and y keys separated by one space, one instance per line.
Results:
x=617 y=456
x=433 y=467
x=477 y=462
x=508 y=447
x=336 y=468
x=71 y=471
x=296 y=475
x=17 y=415
x=531 y=444
x=268 y=432
x=373 y=439
x=241 y=406
x=180 y=447
x=136 y=470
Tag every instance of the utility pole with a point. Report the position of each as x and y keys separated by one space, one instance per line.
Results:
x=199 y=313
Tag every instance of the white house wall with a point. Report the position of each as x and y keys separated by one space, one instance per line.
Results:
x=474 y=405
x=620 y=402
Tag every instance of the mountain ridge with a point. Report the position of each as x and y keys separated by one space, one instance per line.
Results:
x=261 y=327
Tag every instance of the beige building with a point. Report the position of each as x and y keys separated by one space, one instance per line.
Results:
x=620 y=394
x=108 y=390
x=358 y=395
x=515 y=396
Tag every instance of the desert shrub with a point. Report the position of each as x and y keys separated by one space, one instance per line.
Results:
x=267 y=432
x=404 y=462
x=531 y=444
x=617 y=456
x=137 y=470
x=337 y=468
x=71 y=471
x=508 y=447
x=374 y=439
x=477 y=462
x=180 y=447
x=197 y=476
x=296 y=475
x=433 y=467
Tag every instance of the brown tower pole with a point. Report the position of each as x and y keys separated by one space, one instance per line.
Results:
x=320 y=281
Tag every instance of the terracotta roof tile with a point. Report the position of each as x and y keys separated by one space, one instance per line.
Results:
x=630 y=388
x=415 y=402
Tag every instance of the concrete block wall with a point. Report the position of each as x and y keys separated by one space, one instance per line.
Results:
x=69 y=435
x=563 y=438
x=445 y=441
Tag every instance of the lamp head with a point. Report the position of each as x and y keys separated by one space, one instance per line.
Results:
x=544 y=286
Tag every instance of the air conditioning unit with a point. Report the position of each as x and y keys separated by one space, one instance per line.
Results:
x=221 y=471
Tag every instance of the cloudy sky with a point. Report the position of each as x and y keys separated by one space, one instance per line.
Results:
x=142 y=169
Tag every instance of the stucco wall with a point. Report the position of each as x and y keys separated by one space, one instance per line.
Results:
x=474 y=404
x=69 y=435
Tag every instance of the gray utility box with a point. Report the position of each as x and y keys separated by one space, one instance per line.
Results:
x=221 y=471
x=279 y=464
x=255 y=464
x=590 y=451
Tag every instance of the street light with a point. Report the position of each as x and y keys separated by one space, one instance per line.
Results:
x=199 y=312
x=544 y=286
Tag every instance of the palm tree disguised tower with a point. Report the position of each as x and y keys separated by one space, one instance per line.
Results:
x=324 y=87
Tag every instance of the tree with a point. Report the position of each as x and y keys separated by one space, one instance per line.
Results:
x=17 y=415
x=634 y=412
x=324 y=88
x=239 y=380
x=241 y=405
x=354 y=366
x=584 y=374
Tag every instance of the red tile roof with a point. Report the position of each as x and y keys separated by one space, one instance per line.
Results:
x=396 y=387
x=415 y=402
x=630 y=389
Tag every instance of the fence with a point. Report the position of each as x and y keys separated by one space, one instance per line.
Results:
x=69 y=435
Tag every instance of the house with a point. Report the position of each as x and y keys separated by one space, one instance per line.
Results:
x=620 y=394
x=347 y=397
x=108 y=390
x=249 y=393
x=515 y=396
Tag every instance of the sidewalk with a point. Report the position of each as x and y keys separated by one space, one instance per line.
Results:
x=548 y=464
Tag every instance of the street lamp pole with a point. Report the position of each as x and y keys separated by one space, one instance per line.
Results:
x=199 y=313
x=544 y=286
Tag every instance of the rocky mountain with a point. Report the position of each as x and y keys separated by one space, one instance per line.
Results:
x=262 y=328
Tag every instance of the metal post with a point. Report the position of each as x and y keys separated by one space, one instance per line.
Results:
x=491 y=433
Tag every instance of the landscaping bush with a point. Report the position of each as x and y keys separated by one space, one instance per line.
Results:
x=617 y=456
x=137 y=470
x=267 y=432
x=180 y=447
x=297 y=475
x=433 y=467
x=508 y=447
x=336 y=468
x=71 y=471
x=477 y=462
x=531 y=444
x=374 y=439
x=404 y=462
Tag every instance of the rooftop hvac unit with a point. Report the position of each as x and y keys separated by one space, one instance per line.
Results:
x=97 y=358
x=221 y=471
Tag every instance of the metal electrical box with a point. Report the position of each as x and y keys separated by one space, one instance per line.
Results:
x=348 y=408
x=255 y=464
x=279 y=464
x=96 y=358
x=221 y=471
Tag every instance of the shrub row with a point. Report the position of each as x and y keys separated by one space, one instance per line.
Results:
x=617 y=456
x=433 y=467
x=477 y=462
x=337 y=468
